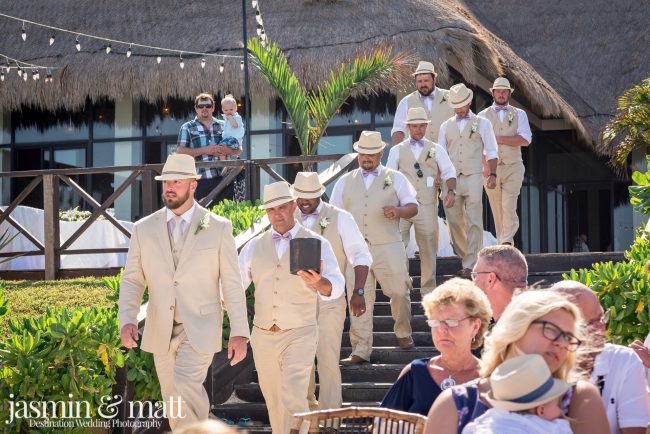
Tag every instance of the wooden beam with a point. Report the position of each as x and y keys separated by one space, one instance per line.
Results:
x=52 y=237
x=221 y=186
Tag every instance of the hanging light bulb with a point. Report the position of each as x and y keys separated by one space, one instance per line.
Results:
x=158 y=59
x=221 y=67
x=181 y=63
x=2 y=76
x=34 y=74
x=254 y=3
x=203 y=62
x=51 y=39
x=129 y=52
x=108 y=49
x=263 y=36
x=38 y=74
x=20 y=72
x=7 y=67
x=263 y=43
x=77 y=44
x=241 y=65
x=23 y=33
x=258 y=17
x=25 y=76
x=259 y=30
x=48 y=78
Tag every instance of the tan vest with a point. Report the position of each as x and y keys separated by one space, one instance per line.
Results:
x=281 y=298
x=466 y=152
x=440 y=111
x=507 y=154
x=366 y=206
x=429 y=166
x=330 y=233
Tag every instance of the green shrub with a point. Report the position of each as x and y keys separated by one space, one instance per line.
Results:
x=241 y=214
x=640 y=193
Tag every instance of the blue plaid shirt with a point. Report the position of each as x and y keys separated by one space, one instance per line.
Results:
x=194 y=134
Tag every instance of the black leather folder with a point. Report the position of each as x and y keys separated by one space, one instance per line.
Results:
x=304 y=254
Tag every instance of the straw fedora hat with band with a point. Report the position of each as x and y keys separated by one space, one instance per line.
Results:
x=425 y=68
x=307 y=186
x=501 y=83
x=178 y=166
x=276 y=194
x=369 y=143
x=522 y=383
x=459 y=96
x=417 y=115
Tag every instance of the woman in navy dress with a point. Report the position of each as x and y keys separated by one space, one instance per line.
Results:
x=458 y=313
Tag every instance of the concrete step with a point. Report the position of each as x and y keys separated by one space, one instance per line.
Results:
x=352 y=392
x=394 y=355
x=377 y=372
x=385 y=339
x=384 y=323
x=382 y=308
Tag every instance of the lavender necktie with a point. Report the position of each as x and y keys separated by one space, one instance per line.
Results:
x=365 y=173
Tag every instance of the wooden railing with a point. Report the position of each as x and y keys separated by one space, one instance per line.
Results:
x=49 y=180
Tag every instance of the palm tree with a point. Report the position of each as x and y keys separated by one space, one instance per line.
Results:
x=630 y=128
x=311 y=111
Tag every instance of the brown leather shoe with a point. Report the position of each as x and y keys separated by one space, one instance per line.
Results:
x=465 y=273
x=405 y=343
x=353 y=360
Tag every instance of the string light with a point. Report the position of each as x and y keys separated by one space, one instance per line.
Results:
x=221 y=67
x=203 y=62
x=259 y=30
x=241 y=65
x=258 y=17
x=25 y=76
x=77 y=44
x=158 y=59
x=181 y=64
x=48 y=77
x=2 y=76
x=129 y=52
x=34 y=75
x=51 y=39
x=254 y=3
x=23 y=33
x=20 y=72
x=263 y=36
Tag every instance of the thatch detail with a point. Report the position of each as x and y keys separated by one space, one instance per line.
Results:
x=315 y=34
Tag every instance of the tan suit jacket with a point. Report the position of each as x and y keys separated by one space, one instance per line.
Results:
x=207 y=269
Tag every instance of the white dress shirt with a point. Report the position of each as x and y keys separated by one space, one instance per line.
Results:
x=485 y=129
x=445 y=166
x=185 y=222
x=354 y=246
x=405 y=191
x=523 y=127
x=330 y=269
x=402 y=110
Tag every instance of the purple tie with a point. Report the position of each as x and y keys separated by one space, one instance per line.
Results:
x=416 y=143
x=365 y=173
x=459 y=118
x=426 y=97
x=277 y=237
x=304 y=216
x=501 y=108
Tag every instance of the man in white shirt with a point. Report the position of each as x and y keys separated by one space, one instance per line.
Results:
x=426 y=96
x=467 y=138
x=422 y=161
x=512 y=132
x=351 y=251
x=617 y=370
x=285 y=330
x=377 y=197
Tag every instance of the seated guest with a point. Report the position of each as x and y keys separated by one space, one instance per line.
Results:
x=458 y=313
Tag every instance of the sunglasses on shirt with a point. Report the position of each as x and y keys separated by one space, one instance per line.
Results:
x=419 y=171
x=202 y=106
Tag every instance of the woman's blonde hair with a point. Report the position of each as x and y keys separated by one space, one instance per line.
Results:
x=462 y=292
x=525 y=308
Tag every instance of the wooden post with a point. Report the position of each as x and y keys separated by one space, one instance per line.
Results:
x=149 y=193
x=52 y=239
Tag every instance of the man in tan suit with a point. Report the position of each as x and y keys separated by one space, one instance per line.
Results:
x=422 y=161
x=467 y=138
x=512 y=132
x=377 y=197
x=285 y=330
x=427 y=96
x=351 y=251
x=186 y=256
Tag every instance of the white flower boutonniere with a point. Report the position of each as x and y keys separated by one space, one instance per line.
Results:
x=474 y=127
x=387 y=182
x=204 y=223
x=431 y=154
x=445 y=97
x=511 y=117
x=325 y=222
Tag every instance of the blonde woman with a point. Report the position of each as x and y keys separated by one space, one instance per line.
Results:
x=535 y=322
x=458 y=313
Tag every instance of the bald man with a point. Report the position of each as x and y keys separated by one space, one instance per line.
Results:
x=617 y=371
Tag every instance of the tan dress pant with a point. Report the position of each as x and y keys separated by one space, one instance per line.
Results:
x=283 y=360
x=465 y=218
x=331 y=318
x=426 y=237
x=389 y=269
x=503 y=200
x=181 y=372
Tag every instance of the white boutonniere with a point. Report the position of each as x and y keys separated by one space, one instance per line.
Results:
x=445 y=97
x=511 y=117
x=204 y=223
x=387 y=182
x=325 y=222
x=474 y=127
x=431 y=154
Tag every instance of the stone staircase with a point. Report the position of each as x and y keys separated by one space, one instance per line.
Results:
x=366 y=385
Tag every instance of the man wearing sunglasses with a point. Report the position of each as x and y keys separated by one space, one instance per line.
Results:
x=421 y=161
x=199 y=138
x=616 y=370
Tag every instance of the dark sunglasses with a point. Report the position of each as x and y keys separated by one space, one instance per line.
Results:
x=419 y=171
x=200 y=106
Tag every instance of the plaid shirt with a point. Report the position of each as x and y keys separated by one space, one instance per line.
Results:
x=194 y=134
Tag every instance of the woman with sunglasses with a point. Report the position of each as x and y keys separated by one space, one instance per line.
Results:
x=535 y=322
x=458 y=313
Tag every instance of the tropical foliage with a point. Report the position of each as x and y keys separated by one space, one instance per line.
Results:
x=311 y=111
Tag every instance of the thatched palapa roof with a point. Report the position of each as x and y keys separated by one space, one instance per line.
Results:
x=315 y=34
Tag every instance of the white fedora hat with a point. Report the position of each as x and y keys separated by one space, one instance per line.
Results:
x=522 y=383
x=425 y=68
x=307 y=186
x=417 y=115
x=460 y=96
x=369 y=143
x=276 y=194
x=501 y=83
x=178 y=166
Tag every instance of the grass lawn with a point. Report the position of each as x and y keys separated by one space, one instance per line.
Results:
x=28 y=298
